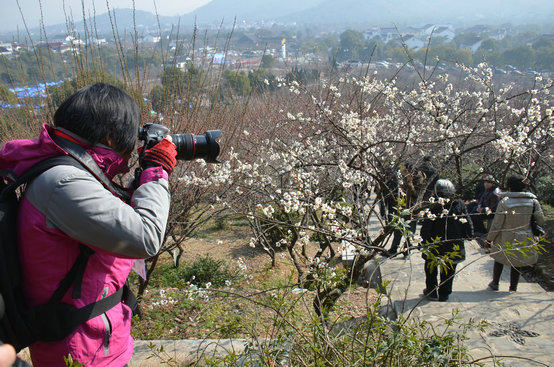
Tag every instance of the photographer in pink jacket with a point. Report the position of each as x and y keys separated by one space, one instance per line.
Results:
x=67 y=209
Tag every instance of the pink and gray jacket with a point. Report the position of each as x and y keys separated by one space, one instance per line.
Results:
x=65 y=206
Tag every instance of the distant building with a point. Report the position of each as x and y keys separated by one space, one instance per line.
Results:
x=425 y=30
x=413 y=43
x=371 y=33
x=478 y=29
x=385 y=34
x=151 y=38
x=258 y=40
x=60 y=47
x=6 y=49
x=99 y=41
x=388 y=34
x=444 y=32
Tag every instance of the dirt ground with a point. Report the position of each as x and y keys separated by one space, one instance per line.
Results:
x=233 y=247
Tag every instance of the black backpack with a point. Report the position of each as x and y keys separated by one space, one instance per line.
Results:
x=21 y=325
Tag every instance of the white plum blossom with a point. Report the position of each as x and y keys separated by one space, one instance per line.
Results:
x=318 y=165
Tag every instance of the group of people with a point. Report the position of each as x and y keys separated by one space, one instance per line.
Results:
x=450 y=221
x=484 y=203
x=415 y=181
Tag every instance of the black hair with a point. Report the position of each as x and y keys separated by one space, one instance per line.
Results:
x=516 y=183
x=98 y=111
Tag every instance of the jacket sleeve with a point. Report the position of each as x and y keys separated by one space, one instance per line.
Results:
x=497 y=222
x=538 y=213
x=78 y=205
x=494 y=200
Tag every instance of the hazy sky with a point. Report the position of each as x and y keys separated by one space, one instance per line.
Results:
x=53 y=10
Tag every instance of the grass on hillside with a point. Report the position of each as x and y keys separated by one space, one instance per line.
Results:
x=234 y=292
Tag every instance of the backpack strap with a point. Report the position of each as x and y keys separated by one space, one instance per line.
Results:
x=9 y=174
x=69 y=317
x=34 y=171
x=74 y=276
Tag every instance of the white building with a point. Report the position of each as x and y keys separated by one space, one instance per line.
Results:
x=6 y=49
x=413 y=42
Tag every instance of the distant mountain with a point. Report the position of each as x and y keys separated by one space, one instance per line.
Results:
x=249 y=11
x=376 y=12
x=330 y=14
x=127 y=19
x=466 y=12
x=124 y=19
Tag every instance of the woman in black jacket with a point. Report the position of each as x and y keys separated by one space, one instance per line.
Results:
x=443 y=232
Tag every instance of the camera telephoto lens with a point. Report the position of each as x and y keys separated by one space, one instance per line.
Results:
x=190 y=146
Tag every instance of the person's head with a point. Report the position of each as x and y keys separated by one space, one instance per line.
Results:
x=490 y=182
x=444 y=188
x=101 y=113
x=427 y=158
x=516 y=183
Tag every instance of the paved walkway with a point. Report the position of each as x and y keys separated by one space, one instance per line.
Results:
x=518 y=316
x=183 y=352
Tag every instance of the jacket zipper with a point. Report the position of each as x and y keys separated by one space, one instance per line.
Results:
x=107 y=326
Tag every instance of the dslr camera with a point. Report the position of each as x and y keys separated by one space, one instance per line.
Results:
x=189 y=146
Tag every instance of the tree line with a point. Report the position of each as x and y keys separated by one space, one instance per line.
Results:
x=522 y=51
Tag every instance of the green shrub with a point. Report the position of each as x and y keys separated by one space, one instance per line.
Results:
x=545 y=189
x=200 y=272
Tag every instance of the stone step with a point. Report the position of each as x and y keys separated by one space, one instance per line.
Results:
x=512 y=316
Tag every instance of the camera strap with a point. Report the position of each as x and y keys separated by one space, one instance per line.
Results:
x=81 y=155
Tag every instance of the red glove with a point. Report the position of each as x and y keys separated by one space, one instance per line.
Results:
x=162 y=154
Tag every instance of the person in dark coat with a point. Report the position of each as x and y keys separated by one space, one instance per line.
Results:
x=486 y=208
x=443 y=233
x=479 y=190
x=431 y=176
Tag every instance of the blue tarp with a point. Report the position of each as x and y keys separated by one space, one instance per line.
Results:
x=36 y=107
x=38 y=90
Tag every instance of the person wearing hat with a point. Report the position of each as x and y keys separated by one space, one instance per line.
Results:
x=431 y=176
x=487 y=205
x=443 y=232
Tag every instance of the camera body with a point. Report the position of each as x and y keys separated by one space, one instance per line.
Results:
x=189 y=146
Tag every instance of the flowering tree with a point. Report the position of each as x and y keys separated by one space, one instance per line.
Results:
x=312 y=176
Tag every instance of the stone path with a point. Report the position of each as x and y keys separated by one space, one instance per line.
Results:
x=183 y=352
x=522 y=323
